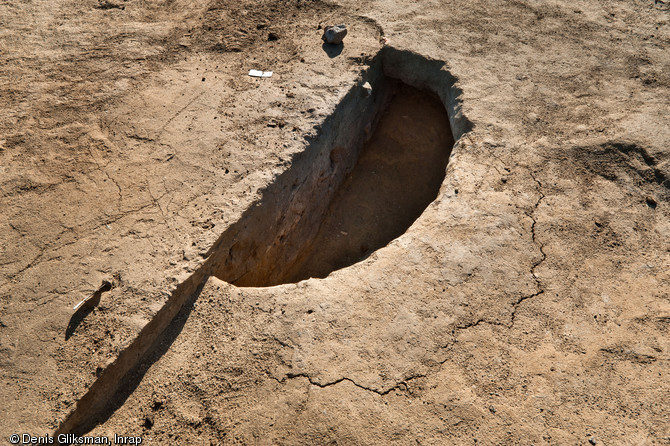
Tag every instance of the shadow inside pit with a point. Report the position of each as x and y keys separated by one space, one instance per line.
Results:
x=377 y=163
x=332 y=50
x=397 y=175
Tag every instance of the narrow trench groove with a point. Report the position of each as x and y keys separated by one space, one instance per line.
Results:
x=378 y=162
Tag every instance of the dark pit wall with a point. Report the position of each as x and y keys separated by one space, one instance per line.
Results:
x=397 y=175
x=377 y=164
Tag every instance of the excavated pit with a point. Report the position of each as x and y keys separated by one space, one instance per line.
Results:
x=378 y=163
x=397 y=175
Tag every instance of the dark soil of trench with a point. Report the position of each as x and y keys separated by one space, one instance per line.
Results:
x=398 y=174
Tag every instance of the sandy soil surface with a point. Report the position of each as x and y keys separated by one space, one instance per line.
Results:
x=528 y=304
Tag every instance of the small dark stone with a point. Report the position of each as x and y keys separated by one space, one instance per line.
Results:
x=335 y=34
x=203 y=79
x=492 y=409
x=592 y=441
x=651 y=202
x=272 y=37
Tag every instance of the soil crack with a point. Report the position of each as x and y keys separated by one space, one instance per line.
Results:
x=401 y=385
x=538 y=262
x=477 y=322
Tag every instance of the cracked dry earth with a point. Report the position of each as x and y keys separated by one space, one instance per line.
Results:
x=529 y=303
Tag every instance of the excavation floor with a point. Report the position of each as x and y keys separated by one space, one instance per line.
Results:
x=529 y=303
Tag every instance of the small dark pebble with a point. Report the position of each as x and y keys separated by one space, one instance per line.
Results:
x=592 y=441
x=335 y=34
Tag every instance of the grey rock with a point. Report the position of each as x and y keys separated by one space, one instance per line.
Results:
x=335 y=34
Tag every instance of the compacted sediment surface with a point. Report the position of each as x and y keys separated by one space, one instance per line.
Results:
x=451 y=229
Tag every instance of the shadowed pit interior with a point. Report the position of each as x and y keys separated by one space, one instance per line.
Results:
x=373 y=187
